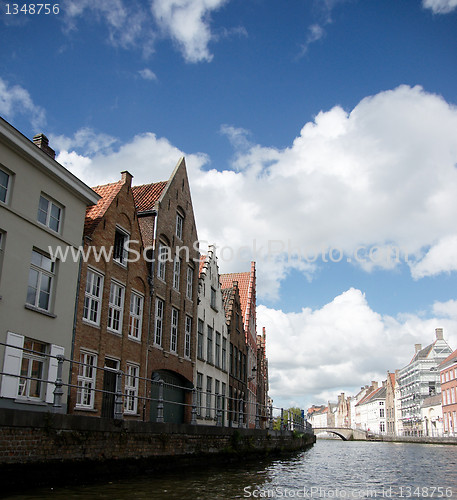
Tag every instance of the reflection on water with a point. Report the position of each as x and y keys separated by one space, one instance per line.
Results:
x=331 y=469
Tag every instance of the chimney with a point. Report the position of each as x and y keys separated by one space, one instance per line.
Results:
x=127 y=177
x=42 y=142
x=374 y=384
x=417 y=347
x=439 y=333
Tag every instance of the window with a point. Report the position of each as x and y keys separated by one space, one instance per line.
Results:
x=199 y=393
x=224 y=354
x=187 y=336
x=120 y=250
x=41 y=276
x=4 y=183
x=136 y=316
x=49 y=214
x=213 y=298
x=200 y=339
x=209 y=384
x=93 y=297
x=209 y=346
x=231 y=360
x=179 y=225
x=131 y=389
x=218 y=349
x=381 y=412
x=32 y=369
x=85 y=394
x=2 y=247
x=382 y=427
x=190 y=279
x=162 y=261
x=32 y=366
x=174 y=330
x=159 y=322
x=116 y=307
x=176 y=272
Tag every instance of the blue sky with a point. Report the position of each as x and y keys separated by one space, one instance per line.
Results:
x=306 y=124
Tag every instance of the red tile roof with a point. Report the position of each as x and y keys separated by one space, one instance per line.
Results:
x=243 y=280
x=202 y=264
x=146 y=195
x=96 y=212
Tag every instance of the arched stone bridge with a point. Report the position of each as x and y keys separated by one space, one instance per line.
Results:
x=344 y=433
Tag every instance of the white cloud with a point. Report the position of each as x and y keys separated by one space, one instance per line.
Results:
x=187 y=23
x=341 y=346
x=15 y=100
x=147 y=74
x=440 y=6
x=381 y=175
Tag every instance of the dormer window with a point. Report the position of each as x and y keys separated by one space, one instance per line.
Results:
x=120 y=252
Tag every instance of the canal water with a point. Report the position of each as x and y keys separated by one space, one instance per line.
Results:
x=330 y=469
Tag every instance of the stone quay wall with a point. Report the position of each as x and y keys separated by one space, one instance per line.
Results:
x=56 y=445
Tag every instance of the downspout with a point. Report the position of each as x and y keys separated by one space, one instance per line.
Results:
x=151 y=268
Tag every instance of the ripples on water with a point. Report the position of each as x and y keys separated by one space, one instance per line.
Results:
x=331 y=469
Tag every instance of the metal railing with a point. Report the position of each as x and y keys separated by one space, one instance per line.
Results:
x=226 y=411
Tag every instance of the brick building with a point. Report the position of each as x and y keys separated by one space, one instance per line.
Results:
x=237 y=356
x=247 y=289
x=113 y=296
x=262 y=379
x=448 y=377
x=167 y=224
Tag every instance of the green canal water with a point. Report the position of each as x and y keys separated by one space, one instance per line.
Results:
x=330 y=469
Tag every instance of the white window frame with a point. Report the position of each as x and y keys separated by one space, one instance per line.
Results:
x=115 y=307
x=200 y=339
x=161 y=262
x=42 y=274
x=190 y=280
x=27 y=378
x=13 y=362
x=48 y=215
x=187 y=337
x=6 y=187
x=209 y=344
x=92 y=300
x=158 y=330
x=224 y=354
x=179 y=225
x=217 y=357
x=136 y=315
x=86 y=382
x=199 y=393
x=176 y=272
x=132 y=373
x=174 y=330
x=120 y=255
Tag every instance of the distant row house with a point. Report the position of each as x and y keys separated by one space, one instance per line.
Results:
x=105 y=290
x=418 y=400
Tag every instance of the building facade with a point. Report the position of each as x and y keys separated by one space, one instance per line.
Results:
x=237 y=356
x=211 y=369
x=419 y=380
x=169 y=234
x=448 y=378
x=247 y=288
x=42 y=207
x=110 y=344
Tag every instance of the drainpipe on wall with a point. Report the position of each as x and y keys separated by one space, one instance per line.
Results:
x=152 y=213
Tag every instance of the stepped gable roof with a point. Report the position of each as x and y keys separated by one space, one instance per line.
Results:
x=95 y=213
x=147 y=195
x=451 y=357
x=244 y=284
x=226 y=297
